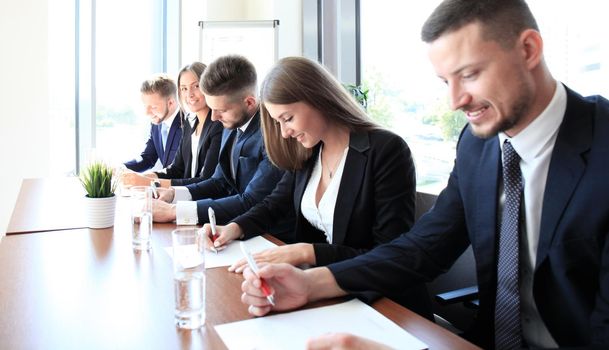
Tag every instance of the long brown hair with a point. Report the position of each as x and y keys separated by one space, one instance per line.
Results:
x=298 y=79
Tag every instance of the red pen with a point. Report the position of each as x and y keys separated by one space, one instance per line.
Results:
x=212 y=223
x=266 y=290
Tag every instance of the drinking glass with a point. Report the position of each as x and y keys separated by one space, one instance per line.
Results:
x=141 y=217
x=189 y=277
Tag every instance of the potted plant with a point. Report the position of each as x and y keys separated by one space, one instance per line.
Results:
x=359 y=93
x=100 y=184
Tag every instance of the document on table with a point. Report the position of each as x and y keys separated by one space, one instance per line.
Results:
x=232 y=253
x=291 y=330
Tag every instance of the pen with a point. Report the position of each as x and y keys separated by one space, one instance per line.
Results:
x=212 y=223
x=153 y=185
x=252 y=264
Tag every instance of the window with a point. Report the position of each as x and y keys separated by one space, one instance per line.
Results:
x=118 y=45
x=128 y=49
x=406 y=96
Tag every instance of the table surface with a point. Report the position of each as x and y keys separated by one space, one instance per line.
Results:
x=87 y=289
x=48 y=204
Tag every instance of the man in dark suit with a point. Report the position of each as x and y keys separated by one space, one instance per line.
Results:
x=244 y=175
x=528 y=191
x=159 y=98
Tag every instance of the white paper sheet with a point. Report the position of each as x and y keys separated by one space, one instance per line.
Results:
x=232 y=253
x=291 y=330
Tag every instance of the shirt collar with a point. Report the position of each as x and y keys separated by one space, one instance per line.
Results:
x=533 y=139
x=247 y=123
x=168 y=121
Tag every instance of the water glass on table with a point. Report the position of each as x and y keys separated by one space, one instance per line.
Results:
x=141 y=217
x=189 y=277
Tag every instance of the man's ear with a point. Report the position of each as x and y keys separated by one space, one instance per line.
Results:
x=532 y=47
x=250 y=101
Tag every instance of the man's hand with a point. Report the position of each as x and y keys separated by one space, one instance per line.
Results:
x=130 y=178
x=343 y=341
x=163 y=212
x=293 y=254
x=166 y=194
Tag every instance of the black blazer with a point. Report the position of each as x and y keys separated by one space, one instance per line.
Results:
x=375 y=201
x=209 y=148
x=375 y=204
x=571 y=276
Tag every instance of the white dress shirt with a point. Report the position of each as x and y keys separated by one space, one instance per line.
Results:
x=322 y=216
x=534 y=145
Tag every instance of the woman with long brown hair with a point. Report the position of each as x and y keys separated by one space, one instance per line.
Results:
x=350 y=182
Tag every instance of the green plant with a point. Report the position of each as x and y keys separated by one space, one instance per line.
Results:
x=359 y=93
x=97 y=180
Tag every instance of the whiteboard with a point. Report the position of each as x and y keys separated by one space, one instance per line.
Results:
x=256 y=40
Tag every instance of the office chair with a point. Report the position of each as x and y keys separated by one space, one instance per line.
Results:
x=455 y=292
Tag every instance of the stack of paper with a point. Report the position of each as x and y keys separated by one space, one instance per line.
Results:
x=291 y=330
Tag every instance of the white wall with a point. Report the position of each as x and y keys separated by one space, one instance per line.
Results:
x=24 y=119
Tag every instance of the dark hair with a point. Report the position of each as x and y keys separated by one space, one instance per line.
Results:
x=232 y=75
x=159 y=84
x=503 y=20
x=298 y=79
x=196 y=68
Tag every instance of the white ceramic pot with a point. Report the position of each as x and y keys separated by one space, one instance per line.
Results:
x=100 y=211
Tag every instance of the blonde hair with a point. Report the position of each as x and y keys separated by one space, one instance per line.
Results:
x=298 y=79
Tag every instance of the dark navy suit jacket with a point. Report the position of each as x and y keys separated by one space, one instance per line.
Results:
x=571 y=276
x=256 y=177
x=154 y=146
x=209 y=148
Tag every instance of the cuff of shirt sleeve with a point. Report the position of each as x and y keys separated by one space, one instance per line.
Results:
x=186 y=213
x=181 y=194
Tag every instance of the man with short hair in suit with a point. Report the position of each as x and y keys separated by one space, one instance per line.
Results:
x=244 y=175
x=159 y=98
x=528 y=191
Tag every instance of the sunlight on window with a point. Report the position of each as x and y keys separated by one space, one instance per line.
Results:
x=406 y=95
x=128 y=51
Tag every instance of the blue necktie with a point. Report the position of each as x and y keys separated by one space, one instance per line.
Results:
x=235 y=153
x=164 y=133
x=508 y=333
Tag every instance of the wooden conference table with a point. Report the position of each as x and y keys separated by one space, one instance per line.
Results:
x=87 y=289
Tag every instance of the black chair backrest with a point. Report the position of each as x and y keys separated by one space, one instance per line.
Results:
x=461 y=275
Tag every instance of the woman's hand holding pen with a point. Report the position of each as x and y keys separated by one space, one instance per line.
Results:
x=293 y=254
x=224 y=235
x=289 y=286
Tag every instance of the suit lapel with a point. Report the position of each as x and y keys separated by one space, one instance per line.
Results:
x=202 y=139
x=566 y=169
x=486 y=178
x=171 y=137
x=225 y=152
x=350 y=184
x=302 y=178
x=253 y=127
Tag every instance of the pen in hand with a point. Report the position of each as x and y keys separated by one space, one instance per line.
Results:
x=252 y=264
x=155 y=193
x=212 y=224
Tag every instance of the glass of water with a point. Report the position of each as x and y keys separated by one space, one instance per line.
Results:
x=189 y=277
x=141 y=217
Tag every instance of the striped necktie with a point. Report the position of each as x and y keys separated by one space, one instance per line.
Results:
x=508 y=333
